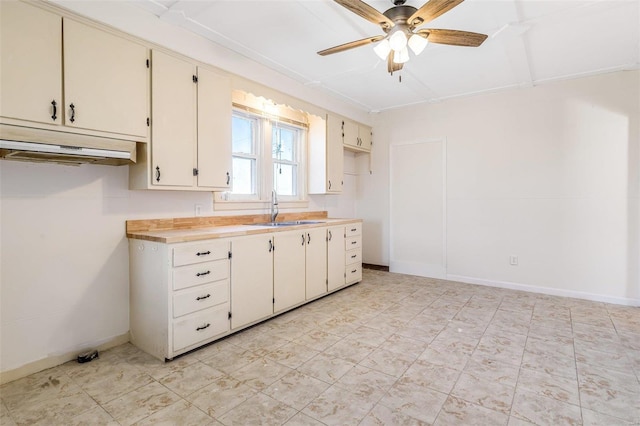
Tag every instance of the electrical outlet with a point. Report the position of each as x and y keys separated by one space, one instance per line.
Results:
x=513 y=260
x=198 y=209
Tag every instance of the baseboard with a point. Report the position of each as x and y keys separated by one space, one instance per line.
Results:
x=375 y=267
x=546 y=290
x=53 y=361
x=419 y=269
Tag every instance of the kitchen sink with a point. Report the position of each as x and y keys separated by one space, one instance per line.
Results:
x=289 y=223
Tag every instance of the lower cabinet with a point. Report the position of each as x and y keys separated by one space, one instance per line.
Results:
x=335 y=257
x=179 y=295
x=252 y=279
x=185 y=295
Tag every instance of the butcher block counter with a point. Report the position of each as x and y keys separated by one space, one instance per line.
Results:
x=180 y=230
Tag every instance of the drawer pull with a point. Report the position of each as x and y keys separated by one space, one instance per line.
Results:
x=203 y=327
x=354 y=242
x=203 y=253
x=203 y=297
x=199 y=274
x=353 y=256
x=354 y=229
x=354 y=271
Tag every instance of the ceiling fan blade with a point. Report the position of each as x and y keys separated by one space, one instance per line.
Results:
x=453 y=37
x=392 y=66
x=369 y=13
x=350 y=45
x=431 y=10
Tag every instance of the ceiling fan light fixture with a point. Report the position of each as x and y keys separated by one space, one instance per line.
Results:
x=402 y=56
x=417 y=43
x=382 y=49
x=398 y=41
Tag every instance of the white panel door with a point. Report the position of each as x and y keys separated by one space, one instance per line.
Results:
x=417 y=217
x=336 y=270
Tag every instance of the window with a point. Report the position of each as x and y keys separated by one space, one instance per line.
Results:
x=245 y=132
x=267 y=154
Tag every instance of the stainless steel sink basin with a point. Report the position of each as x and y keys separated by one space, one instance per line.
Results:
x=290 y=223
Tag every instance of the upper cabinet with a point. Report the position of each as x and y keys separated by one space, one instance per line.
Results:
x=106 y=81
x=190 y=128
x=105 y=86
x=356 y=137
x=326 y=155
x=31 y=77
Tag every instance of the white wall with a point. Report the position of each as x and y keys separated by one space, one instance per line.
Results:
x=549 y=174
x=64 y=283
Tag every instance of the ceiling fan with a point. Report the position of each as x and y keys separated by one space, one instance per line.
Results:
x=400 y=23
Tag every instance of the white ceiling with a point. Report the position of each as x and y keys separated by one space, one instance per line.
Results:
x=530 y=42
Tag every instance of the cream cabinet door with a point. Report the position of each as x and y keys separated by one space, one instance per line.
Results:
x=106 y=81
x=364 y=134
x=288 y=269
x=335 y=155
x=31 y=65
x=316 y=262
x=335 y=257
x=214 y=130
x=251 y=279
x=173 y=121
x=350 y=131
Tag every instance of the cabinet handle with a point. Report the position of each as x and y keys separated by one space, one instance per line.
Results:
x=203 y=253
x=203 y=297
x=55 y=110
x=354 y=229
x=228 y=178
x=199 y=274
x=308 y=238
x=354 y=271
x=302 y=239
x=353 y=242
x=157 y=173
x=270 y=246
x=330 y=235
x=203 y=327
x=354 y=256
x=73 y=113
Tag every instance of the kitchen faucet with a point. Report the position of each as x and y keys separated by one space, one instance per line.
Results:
x=274 y=205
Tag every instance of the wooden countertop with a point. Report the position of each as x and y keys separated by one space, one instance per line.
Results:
x=199 y=230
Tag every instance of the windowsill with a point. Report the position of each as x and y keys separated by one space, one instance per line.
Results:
x=223 y=205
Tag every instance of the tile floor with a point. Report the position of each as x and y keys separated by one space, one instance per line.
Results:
x=392 y=350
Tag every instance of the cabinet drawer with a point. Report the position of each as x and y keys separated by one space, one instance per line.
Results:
x=202 y=252
x=353 y=229
x=200 y=326
x=354 y=273
x=352 y=242
x=201 y=297
x=188 y=276
x=353 y=256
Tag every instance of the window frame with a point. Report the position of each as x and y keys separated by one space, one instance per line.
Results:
x=265 y=166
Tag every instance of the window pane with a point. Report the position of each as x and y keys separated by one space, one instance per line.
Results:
x=283 y=143
x=244 y=175
x=242 y=135
x=285 y=178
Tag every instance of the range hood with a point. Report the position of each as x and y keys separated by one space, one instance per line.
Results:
x=30 y=144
